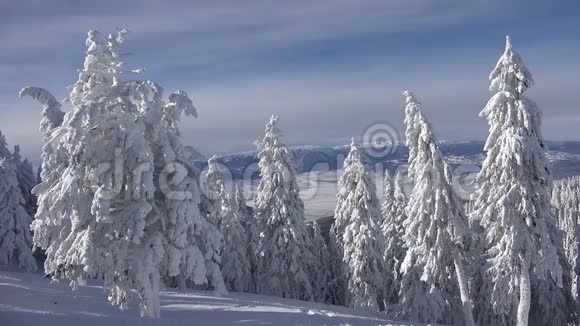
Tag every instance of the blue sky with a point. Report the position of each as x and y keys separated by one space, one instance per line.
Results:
x=329 y=69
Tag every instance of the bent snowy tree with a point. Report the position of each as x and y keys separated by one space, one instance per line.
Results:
x=436 y=232
x=119 y=198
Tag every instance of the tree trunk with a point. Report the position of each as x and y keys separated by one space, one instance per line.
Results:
x=525 y=296
x=181 y=284
x=463 y=290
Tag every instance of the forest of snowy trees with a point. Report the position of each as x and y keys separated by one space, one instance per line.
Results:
x=118 y=199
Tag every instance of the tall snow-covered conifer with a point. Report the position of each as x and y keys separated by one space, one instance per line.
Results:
x=211 y=200
x=118 y=198
x=236 y=264
x=433 y=283
x=194 y=244
x=393 y=213
x=512 y=205
x=15 y=236
x=4 y=151
x=250 y=224
x=26 y=180
x=284 y=250
x=566 y=202
x=319 y=271
x=357 y=237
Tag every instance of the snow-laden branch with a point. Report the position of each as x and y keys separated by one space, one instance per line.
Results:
x=52 y=116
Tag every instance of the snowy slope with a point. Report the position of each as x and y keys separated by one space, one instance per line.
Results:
x=30 y=299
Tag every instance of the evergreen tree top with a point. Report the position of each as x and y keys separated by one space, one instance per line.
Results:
x=16 y=155
x=4 y=151
x=353 y=156
x=399 y=192
x=510 y=73
x=389 y=185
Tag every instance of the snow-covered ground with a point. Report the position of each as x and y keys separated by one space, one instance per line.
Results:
x=31 y=299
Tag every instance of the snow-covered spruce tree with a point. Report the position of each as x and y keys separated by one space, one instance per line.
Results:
x=336 y=287
x=436 y=232
x=552 y=304
x=26 y=180
x=194 y=244
x=357 y=235
x=337 y=284
x=566 y=202
x=284 y=251
x=512 y=205
x=319 y=272
x=211 y=201
x=4 y=151
x=15 y=236
x=393 y=213
x=236 y=264
x=118 y=199
x=250 y=224
x=399 y=191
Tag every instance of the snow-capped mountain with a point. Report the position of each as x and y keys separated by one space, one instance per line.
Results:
x=563 y=155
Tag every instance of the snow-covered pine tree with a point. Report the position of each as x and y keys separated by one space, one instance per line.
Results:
x=434 y=285
x=284 y=251
x=250 y=224
x=194 y=244
x=235 y=261
x=566 y=202
x=73 y=217
x=118 y=198
x=15 y=236
x=551 y=303
x=512 y=204
x=400 y=196
x=357 y=236
x=393 y=213
x=336 y=287
x=319 y=272
x=211 y=201
x=4 y=151
x=26 y=180
x=337 y=268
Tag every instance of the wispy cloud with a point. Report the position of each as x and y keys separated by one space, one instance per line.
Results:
x=328 y=68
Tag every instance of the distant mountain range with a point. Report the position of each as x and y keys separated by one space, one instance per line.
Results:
x=564 y=157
